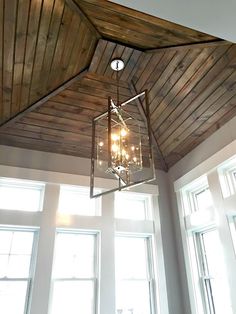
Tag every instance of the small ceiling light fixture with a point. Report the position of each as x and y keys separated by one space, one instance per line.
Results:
x=121 y=143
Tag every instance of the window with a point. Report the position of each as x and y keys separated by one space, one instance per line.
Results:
x=76 y=201
x=211 y=270
x=232 y=225
x=227 y=175
x=75 y=274
x=21 y=195
x=134 y=275
x=132 y=206
x=15 y=270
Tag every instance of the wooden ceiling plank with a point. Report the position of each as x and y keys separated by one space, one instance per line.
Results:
x=149 y=26
x=204 y=88
x=1 y=57
x=136 y=62
x=170 y=26
x=88 y=48
x=101 y=46
x=10 y=22
x=204 y=113
x=129 y=37
x=154 y=140
x=56 y=69
x=74 y=6
x=173 y=79
x=105 y=58
x=30 y=50
x=109 y=87
x=130 y=65
x=197 y=70
x=201 y=134
x=20 y=45
x=51 y=44
x=117 y=53
x=171 y=63
x=149 y=70
x=43 y=38
x=127 y=52
x=12 y=120
x=143 y=62
x=42 y=145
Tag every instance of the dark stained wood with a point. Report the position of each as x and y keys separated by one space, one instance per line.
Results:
x=135 y=28
x=45 y=105
x=20 y=114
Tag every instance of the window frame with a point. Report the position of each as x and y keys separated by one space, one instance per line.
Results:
x=32 y=266
x=25 y=184
x=96 y=266
x=151 y=273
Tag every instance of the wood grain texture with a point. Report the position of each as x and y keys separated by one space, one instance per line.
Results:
x=137 y=29
x=190 y=76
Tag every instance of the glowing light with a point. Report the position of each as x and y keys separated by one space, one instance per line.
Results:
x=114 y=148
x=123 y=132
x=132 y=148
x=127 y=156
x=101 y=144
x=114 y=137
x=135 y=159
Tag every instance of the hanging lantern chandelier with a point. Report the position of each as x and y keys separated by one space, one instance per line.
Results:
x=121 y=143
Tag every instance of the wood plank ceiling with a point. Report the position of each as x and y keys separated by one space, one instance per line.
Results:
x=56 y=76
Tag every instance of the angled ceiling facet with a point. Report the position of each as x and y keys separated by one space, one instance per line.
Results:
x=48 y=101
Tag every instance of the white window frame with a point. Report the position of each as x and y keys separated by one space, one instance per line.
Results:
x=148 y=210
x=151 y=278
x=29 y=279
x=95 y=279
x=22 y=183
x=81 y=190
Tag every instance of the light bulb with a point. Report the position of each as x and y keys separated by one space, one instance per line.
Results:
x=132 y=148
x=114 y=137
x=101 y=144
x=135 y=159
x=123 y=132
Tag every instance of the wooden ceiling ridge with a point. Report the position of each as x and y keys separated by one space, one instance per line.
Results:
x=43 y=100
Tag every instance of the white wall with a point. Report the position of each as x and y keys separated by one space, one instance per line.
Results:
x=70 y=167
x=208 y=155
x=214 y=17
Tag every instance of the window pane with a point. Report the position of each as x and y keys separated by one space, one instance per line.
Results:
x=131 y=258
x=133 y=276
x=203 y=199
x=12 y=297
x=133 y=297
x=74 y=256
x=215 y=269
x=20 y=195
x=15 y=253
x=73 y=297
x=131 y=206
x=76 y=201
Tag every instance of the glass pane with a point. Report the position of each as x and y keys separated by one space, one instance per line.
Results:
x=18 y=266
x=22 y=243
x=18 y=246
x=12 y=297
x=19 y=195
x=203 y=199
x=130 y=207
x=76 y=201
x=3 y=265
x=131 y=258
x=74 y=256
x=73 y=297
x=5 y=241
x=216 y=269
x=133 y=297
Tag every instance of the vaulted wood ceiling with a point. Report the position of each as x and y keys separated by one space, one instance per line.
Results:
x=55 y=75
